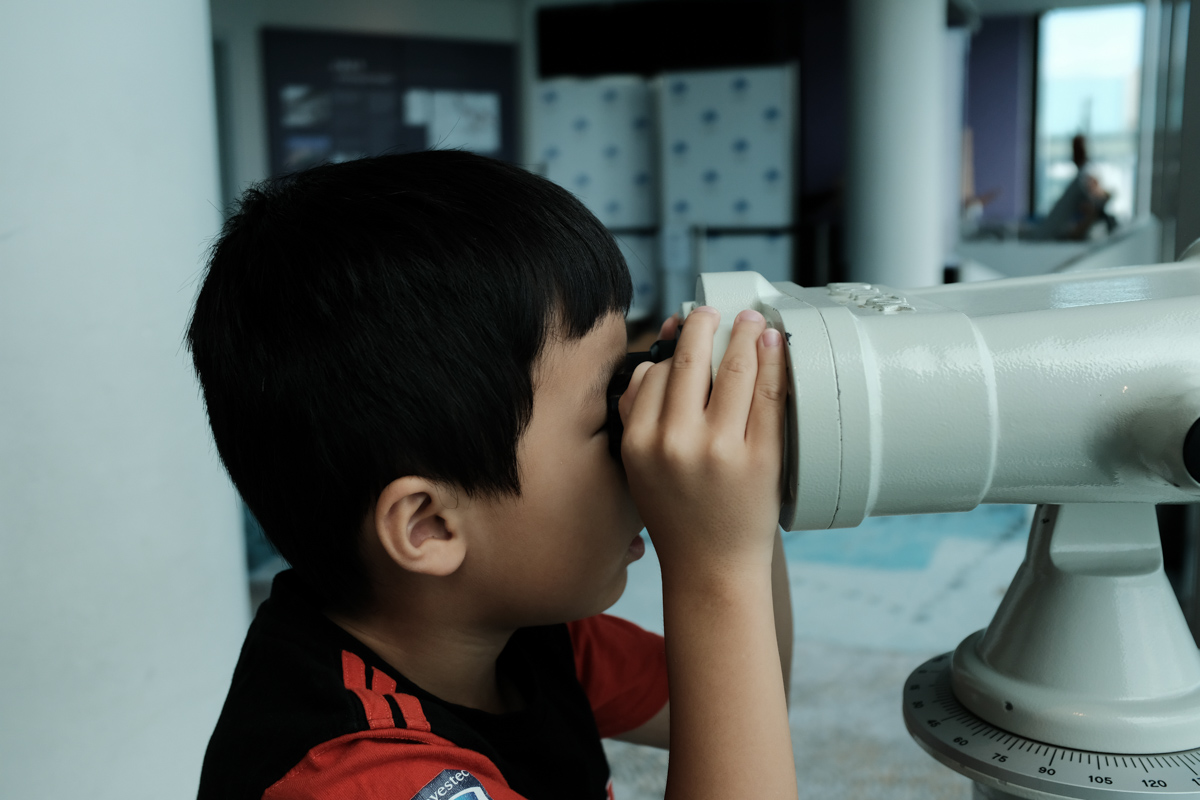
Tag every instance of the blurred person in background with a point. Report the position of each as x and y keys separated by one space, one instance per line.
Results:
x=1080 y=206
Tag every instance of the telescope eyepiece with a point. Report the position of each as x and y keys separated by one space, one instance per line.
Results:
x=659 y=351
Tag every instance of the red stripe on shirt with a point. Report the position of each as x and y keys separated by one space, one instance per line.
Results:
x=383 y=686
x=414 y=717
x=354 y=676
x=382 y=683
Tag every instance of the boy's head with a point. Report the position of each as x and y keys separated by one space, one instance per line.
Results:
x=364 y=321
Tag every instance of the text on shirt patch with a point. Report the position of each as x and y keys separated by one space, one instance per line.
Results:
x=458 y=785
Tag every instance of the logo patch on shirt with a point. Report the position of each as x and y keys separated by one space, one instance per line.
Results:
x=456 y=785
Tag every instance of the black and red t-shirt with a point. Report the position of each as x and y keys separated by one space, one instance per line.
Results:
x=314 y=713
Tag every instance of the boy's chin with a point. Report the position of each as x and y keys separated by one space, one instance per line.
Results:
x=600 y=603
x=582 y=607
x=616 y=595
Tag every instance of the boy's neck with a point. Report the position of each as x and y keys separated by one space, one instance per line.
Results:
x=452 y=664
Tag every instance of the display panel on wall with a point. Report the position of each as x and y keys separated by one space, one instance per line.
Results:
x=595 y=137
x=769 y=254
x=727 y=140
x=339 y=96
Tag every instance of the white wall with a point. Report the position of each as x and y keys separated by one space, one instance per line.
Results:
x=237 y=23
x=123 y=594
x=1138 y=243
x=1134 y=244
x=1020 y=259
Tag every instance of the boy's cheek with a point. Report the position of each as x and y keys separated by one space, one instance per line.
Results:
x=624 y=499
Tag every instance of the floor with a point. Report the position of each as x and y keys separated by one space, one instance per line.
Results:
x=871 y=604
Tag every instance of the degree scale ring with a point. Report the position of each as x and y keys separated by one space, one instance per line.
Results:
x=1026 y=768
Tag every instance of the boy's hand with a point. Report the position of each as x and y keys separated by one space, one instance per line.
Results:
x=705 y=470
x=705 y=473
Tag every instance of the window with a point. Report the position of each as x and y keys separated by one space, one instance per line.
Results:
x=1089 y=83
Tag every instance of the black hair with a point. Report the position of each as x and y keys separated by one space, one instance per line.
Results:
x=363 y=321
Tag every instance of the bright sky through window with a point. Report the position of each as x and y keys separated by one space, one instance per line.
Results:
x=1089 y=82
x=1092 y=42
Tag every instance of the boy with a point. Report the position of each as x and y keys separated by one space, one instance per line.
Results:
x=404 y=361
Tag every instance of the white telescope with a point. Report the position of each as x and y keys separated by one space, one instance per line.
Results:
x=1079 y=392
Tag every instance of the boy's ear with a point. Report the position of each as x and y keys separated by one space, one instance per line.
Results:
x=412 y=526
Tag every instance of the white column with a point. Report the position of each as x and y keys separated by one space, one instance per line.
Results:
x=956 y=47
x=122 y=582
x=1152 y=40
x=894 y=192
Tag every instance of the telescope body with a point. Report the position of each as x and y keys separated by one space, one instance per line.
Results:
x=1066 y=388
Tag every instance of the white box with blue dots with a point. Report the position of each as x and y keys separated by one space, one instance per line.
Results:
x=727 y=141
x=595 y=137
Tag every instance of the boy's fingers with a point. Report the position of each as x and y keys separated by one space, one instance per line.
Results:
x=642 y=414
x=733 y=389
x=765 y=427
x=691 y=366
x=629 y=397
x=669 y=327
